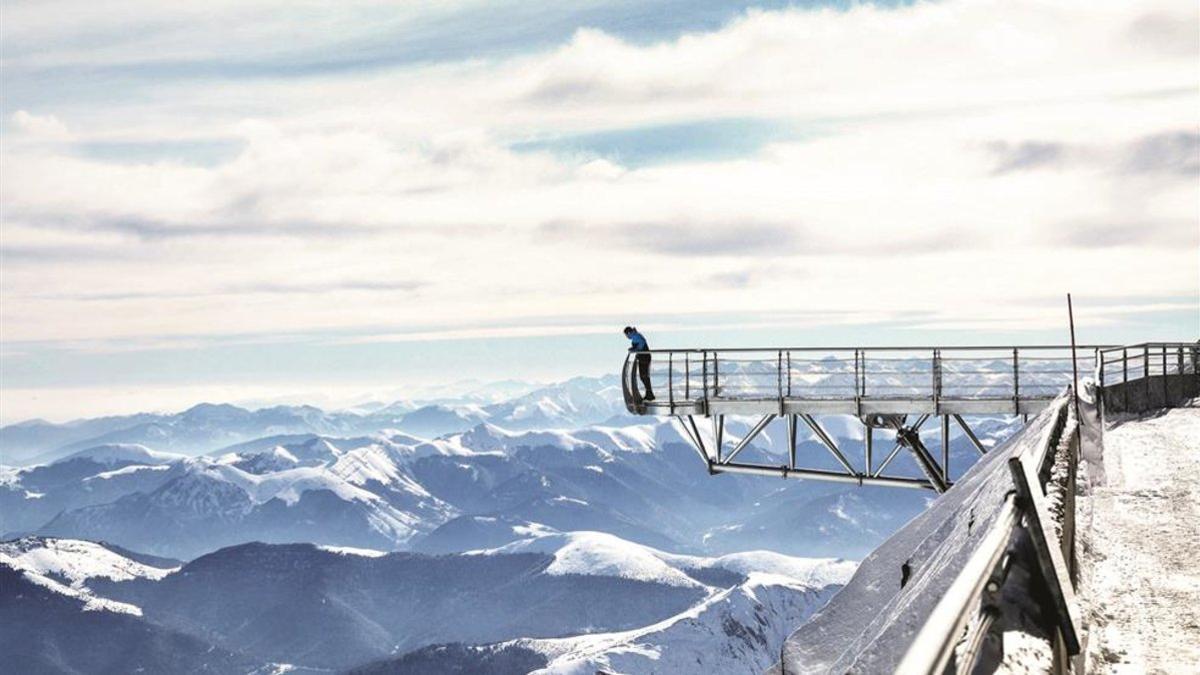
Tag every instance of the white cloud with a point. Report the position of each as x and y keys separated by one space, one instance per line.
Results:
x=40 y=127
x=890 y=196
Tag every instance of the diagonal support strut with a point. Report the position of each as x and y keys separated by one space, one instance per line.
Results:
x=750 y=435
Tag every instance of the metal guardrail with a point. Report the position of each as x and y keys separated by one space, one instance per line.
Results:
x=967 y=610
x=1148 y=375
x=983 y=379
x=970 y=606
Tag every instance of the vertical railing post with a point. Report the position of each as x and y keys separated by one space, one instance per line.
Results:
x=704 y=380
x=779 y=379
x=1146 y=372
x=937 y=380
x=1016 y=382
x=1166 y=380
x=671 y=380
x=856 y=374
x=1124 y=366
x=789 y=374
x=716 y=375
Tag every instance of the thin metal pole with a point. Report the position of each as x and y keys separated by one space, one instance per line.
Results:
x=779 y=379
x=671 y=380
x=1016 y=382
x=1074 y=363
x=716 y=376
x=856 y=370
x=937 y=380
x=789 y=374
x=1166 y=386
x=1146 y=372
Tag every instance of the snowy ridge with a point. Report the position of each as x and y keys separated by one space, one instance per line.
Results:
x=814 y=572
x=126 y=470
x=739 y=629
x=601 y=554
x=65 y=565
x=74 y=560
x=350 y=550
x=122 y=452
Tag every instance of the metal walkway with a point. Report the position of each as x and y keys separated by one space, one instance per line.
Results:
x=894 y=388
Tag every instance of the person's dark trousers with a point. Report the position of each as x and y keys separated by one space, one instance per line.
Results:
x=643 y=371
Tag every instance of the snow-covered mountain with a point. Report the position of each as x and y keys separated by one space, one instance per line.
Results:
x=572 y=598
x=207 y=504
x=482 y=487
x=53 y=620
x=207 y=427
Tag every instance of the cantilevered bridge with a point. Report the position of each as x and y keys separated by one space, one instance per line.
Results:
x=896 y=389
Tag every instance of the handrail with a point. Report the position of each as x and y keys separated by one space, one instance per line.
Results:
x=876 y=348
x=1116 y=348
x=935 y=642
x=938 y=375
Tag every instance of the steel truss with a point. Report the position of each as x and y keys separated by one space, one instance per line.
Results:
x=937 y=474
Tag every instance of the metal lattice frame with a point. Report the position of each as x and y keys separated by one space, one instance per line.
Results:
x=712 y=452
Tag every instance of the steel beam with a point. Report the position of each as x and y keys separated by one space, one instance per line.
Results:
x=708 y=459
x=970 y=434
x=828 y=442
x=818 y=474
x=696 y=443
x=754 y=431
x=791 y=436
x=718 y=434
x=945 y=448
x=896 y=450
x=868 y=438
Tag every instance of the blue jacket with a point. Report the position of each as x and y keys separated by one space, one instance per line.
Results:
x=639 y=342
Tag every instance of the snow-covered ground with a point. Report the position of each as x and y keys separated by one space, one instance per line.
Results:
x=1142 y=596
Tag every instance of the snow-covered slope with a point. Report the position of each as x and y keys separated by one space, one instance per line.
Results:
x=736 y=630
x=65 y=566
x=75 y=562
x=749 y=603
x=114 y=453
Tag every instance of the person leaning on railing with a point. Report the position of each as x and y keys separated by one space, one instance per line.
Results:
x=641 y=362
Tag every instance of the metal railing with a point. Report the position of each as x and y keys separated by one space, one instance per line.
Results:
x=951 y=637
x=698 y=376
x=1150 y=374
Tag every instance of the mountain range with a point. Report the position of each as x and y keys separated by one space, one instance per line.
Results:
x=574 y=539
x=207 y=426
x=561 y=600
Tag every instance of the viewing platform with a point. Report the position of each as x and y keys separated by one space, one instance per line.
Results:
x=884 y=387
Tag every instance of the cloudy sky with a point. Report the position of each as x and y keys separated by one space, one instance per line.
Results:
x=267 y=199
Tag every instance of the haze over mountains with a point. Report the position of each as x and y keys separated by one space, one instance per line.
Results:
x=549 y=531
